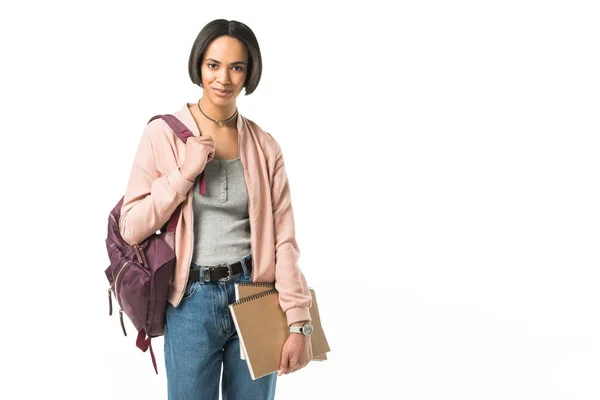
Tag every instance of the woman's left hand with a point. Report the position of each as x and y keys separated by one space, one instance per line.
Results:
x=296 y=353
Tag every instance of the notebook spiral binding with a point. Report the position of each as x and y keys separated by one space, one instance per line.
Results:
x=254 y=297
x=261 y=284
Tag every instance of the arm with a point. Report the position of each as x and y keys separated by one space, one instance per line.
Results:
x=150 y=198
x=294 y=296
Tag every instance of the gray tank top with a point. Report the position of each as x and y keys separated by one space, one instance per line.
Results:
x=221 y=220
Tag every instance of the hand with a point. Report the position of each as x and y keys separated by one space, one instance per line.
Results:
x=296 y=353
x=199 y=150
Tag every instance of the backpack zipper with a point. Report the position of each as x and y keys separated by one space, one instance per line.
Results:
x=115 y=283
x=141 y=256
x=110 y=308
x=117 y=297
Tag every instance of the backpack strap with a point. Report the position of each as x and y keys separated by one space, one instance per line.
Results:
x=176 y=125
x=143 y=344
x=182 y=133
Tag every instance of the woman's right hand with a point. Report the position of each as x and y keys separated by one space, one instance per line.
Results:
x=199 y=150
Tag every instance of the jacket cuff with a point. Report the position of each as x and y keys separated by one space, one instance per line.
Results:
x=297 y=314
x=177 y=181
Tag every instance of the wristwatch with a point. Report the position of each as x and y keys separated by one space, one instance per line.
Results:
x=305 y=329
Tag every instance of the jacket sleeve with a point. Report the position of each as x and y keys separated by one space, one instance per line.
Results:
x=150 y=197
x=294 y=296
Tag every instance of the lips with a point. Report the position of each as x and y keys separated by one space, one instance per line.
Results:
x=222 y=92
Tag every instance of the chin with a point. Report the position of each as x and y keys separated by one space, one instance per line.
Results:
x=219 y=101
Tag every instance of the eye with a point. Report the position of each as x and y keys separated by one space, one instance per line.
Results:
x=210 y=65
x=239 y=68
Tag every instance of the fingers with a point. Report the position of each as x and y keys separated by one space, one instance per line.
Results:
x=201 y=143
x=204 y=140
x=296 y=365
x=291 y=365
x=294 y=356
x=283 y=365
x=210 y=155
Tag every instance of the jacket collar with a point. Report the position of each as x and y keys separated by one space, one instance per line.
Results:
x=185 y=115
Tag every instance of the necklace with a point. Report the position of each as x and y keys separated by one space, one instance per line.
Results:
x=219 y=122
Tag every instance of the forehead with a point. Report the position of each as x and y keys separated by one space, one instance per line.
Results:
x=226 y=49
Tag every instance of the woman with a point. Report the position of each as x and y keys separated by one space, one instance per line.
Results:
x=241 y=229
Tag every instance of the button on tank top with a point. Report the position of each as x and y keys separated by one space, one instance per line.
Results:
x=221 y=219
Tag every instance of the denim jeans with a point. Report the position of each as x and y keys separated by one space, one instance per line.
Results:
x=200 y=337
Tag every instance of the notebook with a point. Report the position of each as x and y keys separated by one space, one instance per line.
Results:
x=248 y=289
x=262 y=329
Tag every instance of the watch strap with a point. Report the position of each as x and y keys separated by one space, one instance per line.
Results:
x=296 y=329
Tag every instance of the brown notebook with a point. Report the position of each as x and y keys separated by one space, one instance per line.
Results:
x=248 y=289
x=262 y=329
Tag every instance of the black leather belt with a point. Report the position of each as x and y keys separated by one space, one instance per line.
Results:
x=221 y=272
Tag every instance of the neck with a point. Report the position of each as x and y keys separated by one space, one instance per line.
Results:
x=218 y=112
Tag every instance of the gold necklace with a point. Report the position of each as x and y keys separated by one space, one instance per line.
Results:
x=219 y=122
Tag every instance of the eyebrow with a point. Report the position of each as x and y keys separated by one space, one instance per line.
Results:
x=219 y=62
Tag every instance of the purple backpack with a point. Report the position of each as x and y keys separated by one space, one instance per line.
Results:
x=139 y=275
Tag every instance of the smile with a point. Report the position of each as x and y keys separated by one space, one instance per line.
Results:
x=222 y=92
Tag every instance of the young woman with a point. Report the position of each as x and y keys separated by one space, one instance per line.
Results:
x=240 y=229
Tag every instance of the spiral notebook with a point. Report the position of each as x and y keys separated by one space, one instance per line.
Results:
x=262 y=329
x=249 y=289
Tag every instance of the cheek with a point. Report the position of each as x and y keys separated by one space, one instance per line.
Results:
x=207 y=75
x=241 y=80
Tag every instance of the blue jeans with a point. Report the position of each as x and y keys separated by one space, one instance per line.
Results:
x=200 y=336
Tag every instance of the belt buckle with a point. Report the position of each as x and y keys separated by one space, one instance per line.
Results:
x=228 y=272
x=206 y=275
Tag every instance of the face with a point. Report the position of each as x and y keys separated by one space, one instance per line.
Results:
x=224 y=69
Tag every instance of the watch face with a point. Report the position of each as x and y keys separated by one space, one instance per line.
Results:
x=307 y=328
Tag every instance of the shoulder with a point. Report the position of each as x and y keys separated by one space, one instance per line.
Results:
x=265 y=139
x=158 y=132
x=159 y=143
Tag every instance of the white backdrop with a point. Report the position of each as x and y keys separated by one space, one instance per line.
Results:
x=443 y=163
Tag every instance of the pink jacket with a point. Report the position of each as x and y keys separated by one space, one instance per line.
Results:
x=156 y=187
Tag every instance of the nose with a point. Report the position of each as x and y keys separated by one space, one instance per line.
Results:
x=223 y=76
